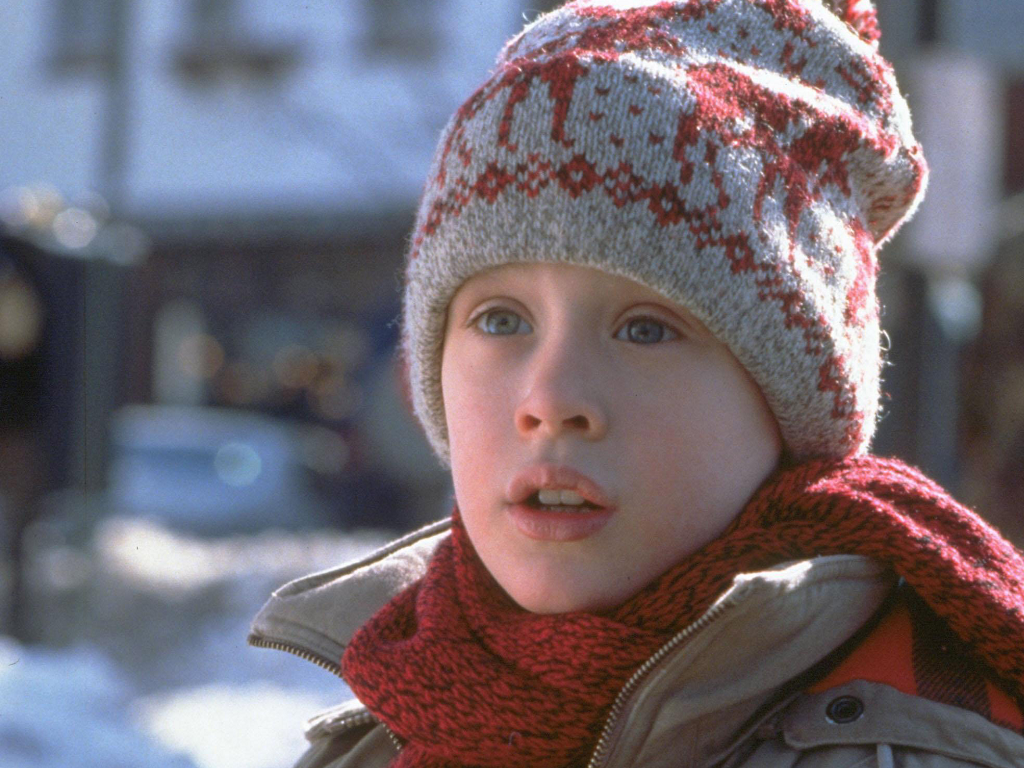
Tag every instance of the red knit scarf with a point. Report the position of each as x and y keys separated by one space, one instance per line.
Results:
x=466 y=677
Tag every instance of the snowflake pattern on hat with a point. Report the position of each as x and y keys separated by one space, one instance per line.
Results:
x=744 y=158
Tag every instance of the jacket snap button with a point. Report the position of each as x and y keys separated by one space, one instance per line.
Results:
x=844 y=709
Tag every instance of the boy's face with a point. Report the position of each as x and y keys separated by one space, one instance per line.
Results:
x=565 y=377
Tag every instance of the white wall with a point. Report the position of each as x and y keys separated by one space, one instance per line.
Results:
x=342 y=131
x=49 y=128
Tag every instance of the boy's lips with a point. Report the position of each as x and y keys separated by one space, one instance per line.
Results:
x=556 y=477
x=564 y=523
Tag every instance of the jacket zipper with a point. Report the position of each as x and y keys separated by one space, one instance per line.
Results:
x=633 y=683
x=617 y=706
x=332 y=667
x=358 y=718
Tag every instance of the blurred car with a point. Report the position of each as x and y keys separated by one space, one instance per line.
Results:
x=213 y=471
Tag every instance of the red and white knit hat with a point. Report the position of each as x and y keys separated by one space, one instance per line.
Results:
x=744 y=158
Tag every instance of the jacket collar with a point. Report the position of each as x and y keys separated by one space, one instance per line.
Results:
x=734 y=669
x=315 y=616
x=715 y=682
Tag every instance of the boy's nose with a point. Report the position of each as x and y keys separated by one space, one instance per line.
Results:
x=558 y=404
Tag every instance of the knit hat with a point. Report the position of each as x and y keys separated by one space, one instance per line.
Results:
x=744 y=158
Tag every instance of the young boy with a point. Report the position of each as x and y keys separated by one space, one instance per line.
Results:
x=641 y=328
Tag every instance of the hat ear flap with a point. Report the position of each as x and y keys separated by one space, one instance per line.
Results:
x=859 y=14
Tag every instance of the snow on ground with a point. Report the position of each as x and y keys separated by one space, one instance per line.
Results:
x=224 y=725
x=70 y=708
x=143 y=660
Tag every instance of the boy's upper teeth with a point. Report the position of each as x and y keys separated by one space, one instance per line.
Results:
x=553 y=497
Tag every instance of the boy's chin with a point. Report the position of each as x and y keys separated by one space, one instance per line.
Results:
x=557 y=606
x=542 y=599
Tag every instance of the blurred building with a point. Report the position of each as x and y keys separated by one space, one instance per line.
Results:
x=273 y=154
x=951 y=281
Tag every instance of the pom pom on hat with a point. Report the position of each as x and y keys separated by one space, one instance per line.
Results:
x=859 y=14
x=744 y=158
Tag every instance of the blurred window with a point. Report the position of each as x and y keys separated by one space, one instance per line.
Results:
x=82 y=34
x=1014 y=173
x=21 y=335
x=218 y=42
x=214 y=21
x=532 y=6
x=402 y=28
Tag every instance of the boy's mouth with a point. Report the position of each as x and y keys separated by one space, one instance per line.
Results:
x=559 y=500
x=556 y=503
x=557 y=487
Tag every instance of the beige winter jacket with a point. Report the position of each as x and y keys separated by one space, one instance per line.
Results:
x=717 y=695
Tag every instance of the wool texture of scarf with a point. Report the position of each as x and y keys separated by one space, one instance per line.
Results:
x=467 y=678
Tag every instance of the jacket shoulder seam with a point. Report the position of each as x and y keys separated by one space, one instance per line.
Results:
x=316 y=579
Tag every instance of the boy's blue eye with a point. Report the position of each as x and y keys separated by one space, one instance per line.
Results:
x=502 y=322
x=645 y=330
